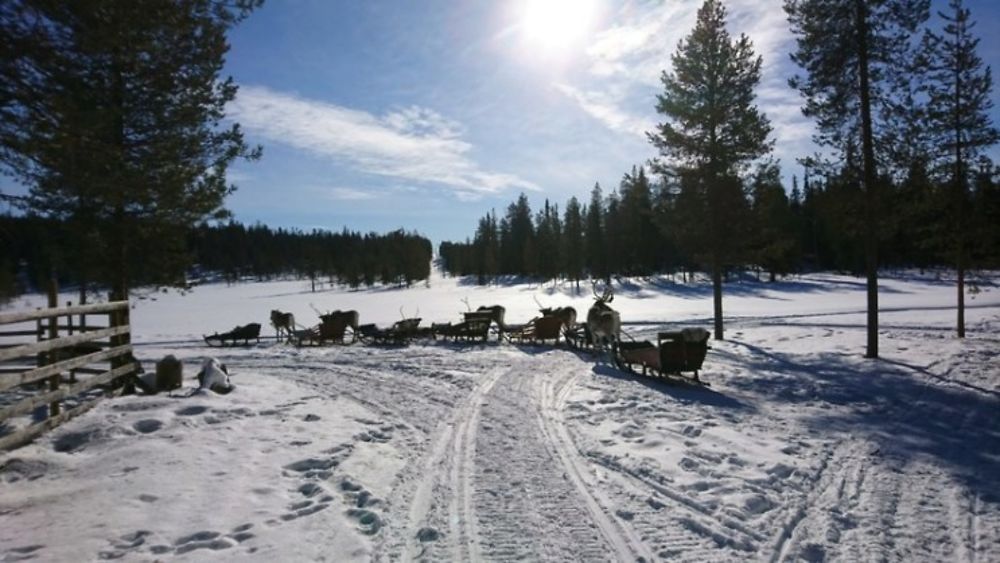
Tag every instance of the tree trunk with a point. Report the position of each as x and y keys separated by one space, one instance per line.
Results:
x=959 y=206
x=871 y=197
x=717 y=295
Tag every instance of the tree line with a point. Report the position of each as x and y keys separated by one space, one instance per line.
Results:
x=35 y=249
x=351 y=258
x=901 y=110
x=643 y=228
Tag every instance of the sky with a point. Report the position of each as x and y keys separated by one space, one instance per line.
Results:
x=425 y=115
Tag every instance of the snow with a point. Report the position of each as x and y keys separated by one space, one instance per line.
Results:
x=801 y=449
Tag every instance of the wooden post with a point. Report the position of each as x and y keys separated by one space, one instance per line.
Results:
x=53 y=333
x=69 y=328
x=83 y=301
x=39 y=336
x=120 y=317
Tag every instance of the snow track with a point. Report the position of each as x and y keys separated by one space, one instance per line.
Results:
x=554 y=392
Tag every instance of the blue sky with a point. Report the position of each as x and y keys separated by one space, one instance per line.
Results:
x=376 y=115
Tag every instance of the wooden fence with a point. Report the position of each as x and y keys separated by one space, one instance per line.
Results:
x=63 y=362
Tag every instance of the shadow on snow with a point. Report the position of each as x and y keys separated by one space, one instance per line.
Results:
x=889 y=402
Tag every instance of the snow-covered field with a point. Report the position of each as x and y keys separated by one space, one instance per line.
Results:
x=799 y=450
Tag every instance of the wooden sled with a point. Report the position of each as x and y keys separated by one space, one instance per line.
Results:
x=400 y=333
x=475 y=326
x=674 y=353
x=246 y=333
x=537 y=330
x=320 y=335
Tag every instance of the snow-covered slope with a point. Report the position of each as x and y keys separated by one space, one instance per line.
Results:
x=800 y=449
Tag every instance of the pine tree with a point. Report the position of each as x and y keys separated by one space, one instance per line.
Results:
x=548 y=236
x=112 y=113
x=638 y=233
x=852 y=50
x=614 y=226
x=773 y=234
x=597 y=262
x=713 y=128
x=519 y=247
x=573 y=241
x=959 y=110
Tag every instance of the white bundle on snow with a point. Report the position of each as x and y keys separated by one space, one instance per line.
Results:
x=214 y=376
x=694 y=334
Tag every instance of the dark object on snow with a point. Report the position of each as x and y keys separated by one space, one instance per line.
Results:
x=401 y=332
x=578 y=336
x=474 y=326
x=674 y=353
x=169 y=373
x=246 y=333
x=538 y=329
x=332 y=329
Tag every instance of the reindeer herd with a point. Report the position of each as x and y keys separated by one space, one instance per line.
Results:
x=674 y=352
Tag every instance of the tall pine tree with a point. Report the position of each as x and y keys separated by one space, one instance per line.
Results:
x=712 y=128
x=852 y=50
x=959 y=104
x=112 y=113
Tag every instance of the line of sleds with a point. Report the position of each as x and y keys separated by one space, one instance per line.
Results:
x=673 y=354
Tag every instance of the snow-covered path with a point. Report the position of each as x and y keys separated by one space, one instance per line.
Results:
x=799 y=450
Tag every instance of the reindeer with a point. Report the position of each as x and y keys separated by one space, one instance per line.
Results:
x=603 y=321
x=284 y=323
x=566 y=314
x=336 y=322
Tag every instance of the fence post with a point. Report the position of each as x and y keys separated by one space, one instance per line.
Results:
x=53 y=333
x=69 y=328
x=116 y=318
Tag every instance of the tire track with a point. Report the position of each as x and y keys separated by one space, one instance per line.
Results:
x=526 y=504
x=625 y=542
x=442 y=476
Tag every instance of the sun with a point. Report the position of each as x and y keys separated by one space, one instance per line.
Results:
x=556 y=26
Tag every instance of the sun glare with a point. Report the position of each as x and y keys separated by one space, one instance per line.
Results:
x=555 y=26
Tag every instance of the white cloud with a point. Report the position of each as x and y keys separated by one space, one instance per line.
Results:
x=414 y=144
x=348 y=194
x=625 y=62
x=606 y=108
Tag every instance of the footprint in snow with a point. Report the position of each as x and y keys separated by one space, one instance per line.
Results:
x=22 y=553
x=193 y=410
x=368 y=522
x=356 y=495
x=214 y=541
x=691 y=431
x=147 y=426
x=428 y=535
x=688 y=464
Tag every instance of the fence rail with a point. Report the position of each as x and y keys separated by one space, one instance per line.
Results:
x=53 y=361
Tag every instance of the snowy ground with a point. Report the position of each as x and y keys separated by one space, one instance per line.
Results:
x=799 y=450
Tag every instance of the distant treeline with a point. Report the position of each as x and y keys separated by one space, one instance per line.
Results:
x=34 y=248
x=646 y=227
